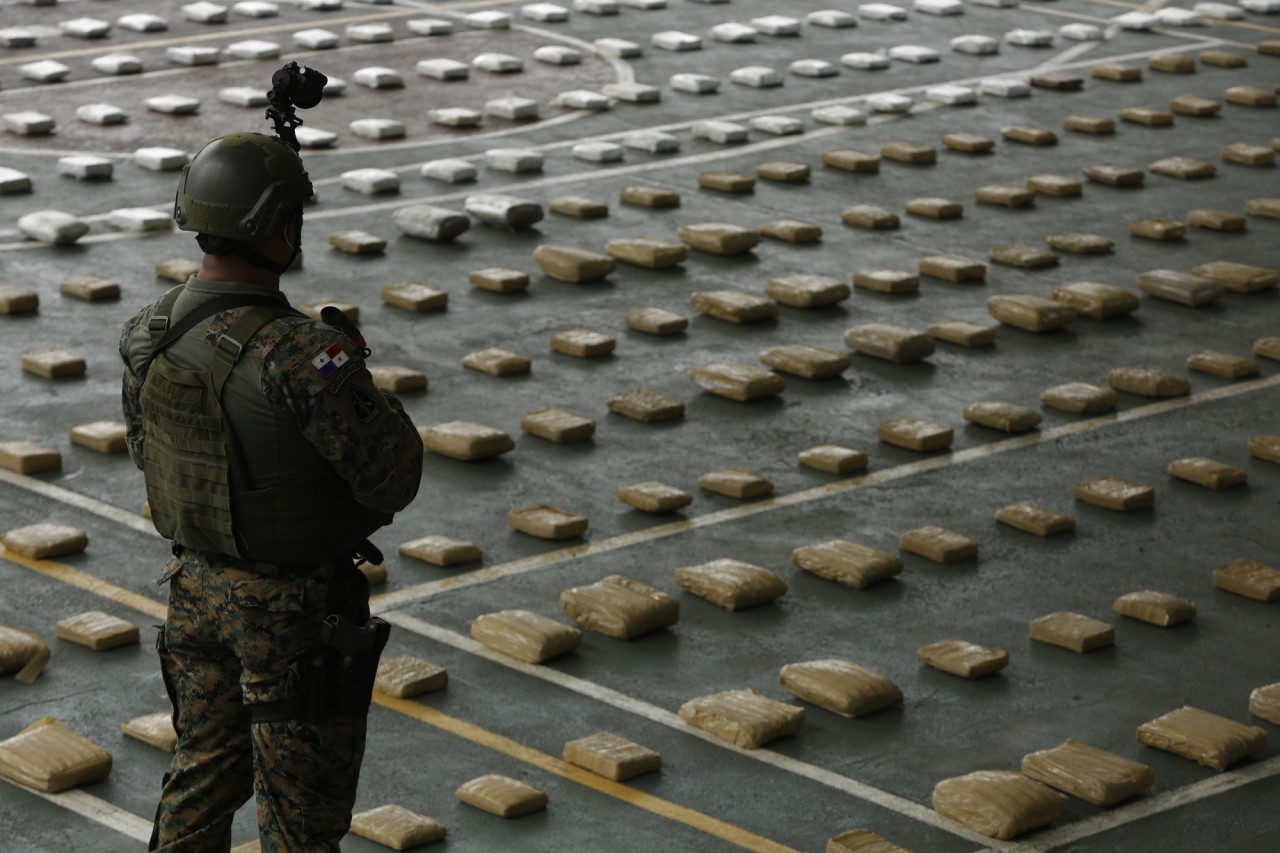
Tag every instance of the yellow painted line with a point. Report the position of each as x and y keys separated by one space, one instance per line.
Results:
x=114 y=47
x=89 y=583
x=665 y=808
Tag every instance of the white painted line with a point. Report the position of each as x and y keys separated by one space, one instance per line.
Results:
x=79 y=501
x=1068 y=55
x=860 y=790
x=402 y=597
x=97 y=810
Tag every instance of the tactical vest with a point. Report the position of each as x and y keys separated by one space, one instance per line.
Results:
x=198 y=485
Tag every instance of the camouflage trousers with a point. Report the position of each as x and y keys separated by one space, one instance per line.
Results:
x=232 y=639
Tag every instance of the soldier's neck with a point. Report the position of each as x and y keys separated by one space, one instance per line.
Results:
x=235 y=268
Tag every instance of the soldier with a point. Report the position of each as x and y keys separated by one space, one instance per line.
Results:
x=269 y=456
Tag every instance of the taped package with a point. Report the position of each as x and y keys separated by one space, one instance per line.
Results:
x=1035 y=519
x=22 y=651
x=1157 y=608
x=743 y=717
x=1248 y=578
x=1094 y=775
x=847 y=562
x=1073 y=631
x=998 y=803
x=938 y=544
x=503 y=796
x=396 y=827
x=862 y=841
x=524 y=635
x=153 y=729
x=405 y=676
x=44 y=540
x=840 y=686
x=612 y=756
x=1205 y=738
x=97 y=630
x=958 y=657
x=50 y=757
x=731 y=584
x=620 y=607
x=1264 y=702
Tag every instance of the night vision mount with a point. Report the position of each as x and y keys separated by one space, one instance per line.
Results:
x=293 y=88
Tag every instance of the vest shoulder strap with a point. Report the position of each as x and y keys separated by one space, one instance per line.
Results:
x=163 y=333
x=235 y=339
x=159 y=323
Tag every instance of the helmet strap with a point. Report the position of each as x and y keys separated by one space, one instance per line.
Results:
x=258 y=259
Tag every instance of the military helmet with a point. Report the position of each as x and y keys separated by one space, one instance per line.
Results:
x=240 y=186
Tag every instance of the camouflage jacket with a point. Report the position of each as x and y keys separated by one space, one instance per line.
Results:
x=315 y=381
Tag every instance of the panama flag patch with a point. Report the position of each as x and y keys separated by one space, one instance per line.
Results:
x=330 y=361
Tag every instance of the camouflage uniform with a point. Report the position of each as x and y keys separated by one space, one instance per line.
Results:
x=235 y=629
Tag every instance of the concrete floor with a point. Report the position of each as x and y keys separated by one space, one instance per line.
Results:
x=498 y=716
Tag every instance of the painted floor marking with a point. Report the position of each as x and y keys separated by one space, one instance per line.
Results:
x=95 y=809
x=860 y=790
x=529 y=755
x=411 y=594
x=79 y=501
x=89 y=583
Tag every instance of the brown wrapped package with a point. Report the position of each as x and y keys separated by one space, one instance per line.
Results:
x=898 y=344
x=656 y=321
x=841 y=687
x=1249 y=96
x=1248 y=155
x=862 y=841
x=102 y=436
x=524 y=635
x=740 y=382
x=503 y=796
x=1192 y=105
x=791 y=230
x=153 y=729
x=441 y=550
x=1238 y=278
x=720 y=238
x=1089 y=124
x=499 y=279
x=1008 y=417
x=1113 y=493
x=850 y=160
x=1248 y=578
x=97 y=630
x=908 y=152
x=1264 y=702
x=731 y=584
x=1055 y=185
x=1007 y=194
x=886 y=281
x=998 y=803
x=647 y=252
x=650 y=196
x=1116 y=72
x=466 y=441
x=807 y=291
x=777 y=170
x=1079 y=398
x=1080 y=243
x=1205 y=738
x=1172 y=63
x=50 y=757
x=611 y=756
x=1266 y=447
x=915 y=434
x=1222 y=364
x=1072 y=631
x=847 y=562
x=736 y=483
x=654 y=497
x=406 y=676
x=620 y=607
x=1094 y=775
x=833 y=459
x=52 y=363
x=547 y=522
x=1263 y=207
x=1022 y=255
x=24 y=652
x=734 y=306
x=729 y=182
x=45 y=540
x=397 y=379
x=414 y=296
x=1183 y=167
x=1034 y=519
x=1148 y=382
x=1158 y=228
x=396 y=827
x=743 y=717
x=1113 y=175
x=1060 y=80
x=1222 y=59
x=1096 y=300
x=1208 y=473
x=575 y=265
x=1031 y=313
x=582 y=343
x=869 y=216
x=938 y=544
x=936 y=208
x=1157 y=608
x=969 y=142
x=1030 y=135
x=647 y=405
x=89 y=287
x=951 y=268
x=963 y=333
x=579 y=206
x=18 y=300
x=965 y=659
x=357 y=242
x=557 y=425
x=807 y=362
x=177 y=269
x=496 y=361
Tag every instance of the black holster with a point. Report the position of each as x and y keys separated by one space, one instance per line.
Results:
x=337 y=678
